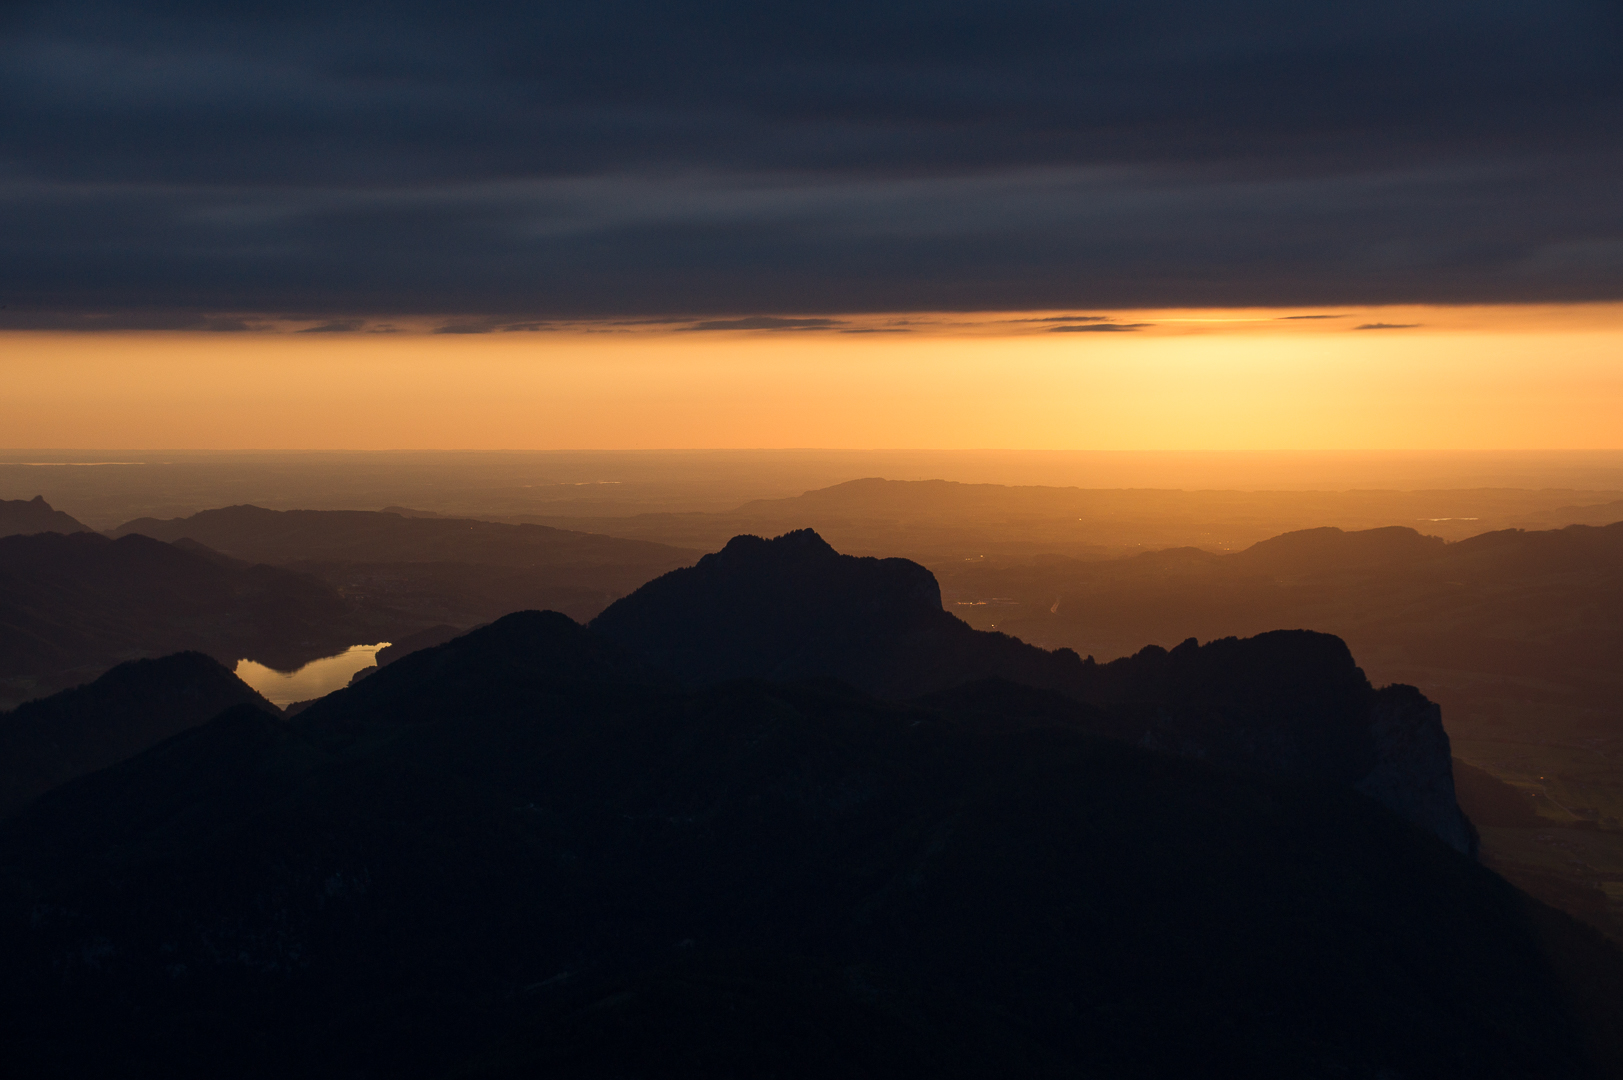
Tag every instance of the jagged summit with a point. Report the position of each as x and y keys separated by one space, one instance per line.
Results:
x=28 y=516
x=790 y=607
x=1290 y=702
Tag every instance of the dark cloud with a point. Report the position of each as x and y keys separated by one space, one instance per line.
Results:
x=877 y=330
x=1386 y=326
x=169 y=162
x=765 y=322
x=336 y=326
x=1099 y=328
x=1294 y=318
x=28 y=319
x=1063 y=319
x=490 y=326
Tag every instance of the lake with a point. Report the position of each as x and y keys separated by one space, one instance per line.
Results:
x=316 y=679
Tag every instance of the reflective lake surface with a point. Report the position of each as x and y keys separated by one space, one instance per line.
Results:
x=316 y=679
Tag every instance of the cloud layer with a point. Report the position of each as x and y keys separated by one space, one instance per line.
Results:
x=162 y=164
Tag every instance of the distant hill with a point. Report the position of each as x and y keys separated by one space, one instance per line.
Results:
x=1404 y=601
x=1607 y=513
x=526 y=852
x=438 y=570
x=277 y=536
x=20 y=517
x=1311 y=550
x=1293 y=703
x=73 y=606
x=47 y=742
x=942 y=522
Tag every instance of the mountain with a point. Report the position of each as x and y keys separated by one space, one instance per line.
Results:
x=1309 y=550
x=1292 y=703
x=943 y=523
x=73 y=606
x=49 y=741
x=20 y=517
x=528 y=852
x=250 y=532
x=1515 y=634
x=1607 y=513
x=408 y=644
x=422 y=639
x=433 y=569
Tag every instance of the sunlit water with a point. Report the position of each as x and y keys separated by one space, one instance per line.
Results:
x=315 y=679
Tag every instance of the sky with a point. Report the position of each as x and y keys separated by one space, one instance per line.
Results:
x=686 y=224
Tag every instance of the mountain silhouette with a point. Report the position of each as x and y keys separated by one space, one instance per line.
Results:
x=49 y=741
x=252 y=532
x=1291 y=702
x=73 y=606
x=946 y=524
x=422 y=639
x=528 y=851
x=19 y=517
x=430 y=569
x=1515 y=634
x=1312 y=549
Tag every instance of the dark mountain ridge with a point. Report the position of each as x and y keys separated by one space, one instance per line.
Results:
x=24 y=517
x=1293 y=703
x=49 y=741
x=432 y=569
x=527 y=852
x=72 y=607
x=251 y=532
x=1514 y=633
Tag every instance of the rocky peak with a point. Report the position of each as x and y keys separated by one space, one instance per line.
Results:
x=781 y=608
x=28 y=516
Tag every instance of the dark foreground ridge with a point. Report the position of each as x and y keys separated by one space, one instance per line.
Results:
x=1292 y=703
x=47 y=742
x=527 y=852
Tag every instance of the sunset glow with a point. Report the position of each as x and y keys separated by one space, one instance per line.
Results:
x=1486 y=377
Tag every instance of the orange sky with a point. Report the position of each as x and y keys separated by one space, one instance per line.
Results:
x=1480 y=378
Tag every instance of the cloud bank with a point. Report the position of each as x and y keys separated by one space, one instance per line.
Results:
x=185 y=166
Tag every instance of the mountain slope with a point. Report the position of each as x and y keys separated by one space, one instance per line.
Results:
x=522 y=852
x=47 y=742
x=438 y=570
x=73 y=606
x=250 y=532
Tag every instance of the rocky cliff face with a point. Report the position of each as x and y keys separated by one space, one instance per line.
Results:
x=1291 y=702
x=1413 y=771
